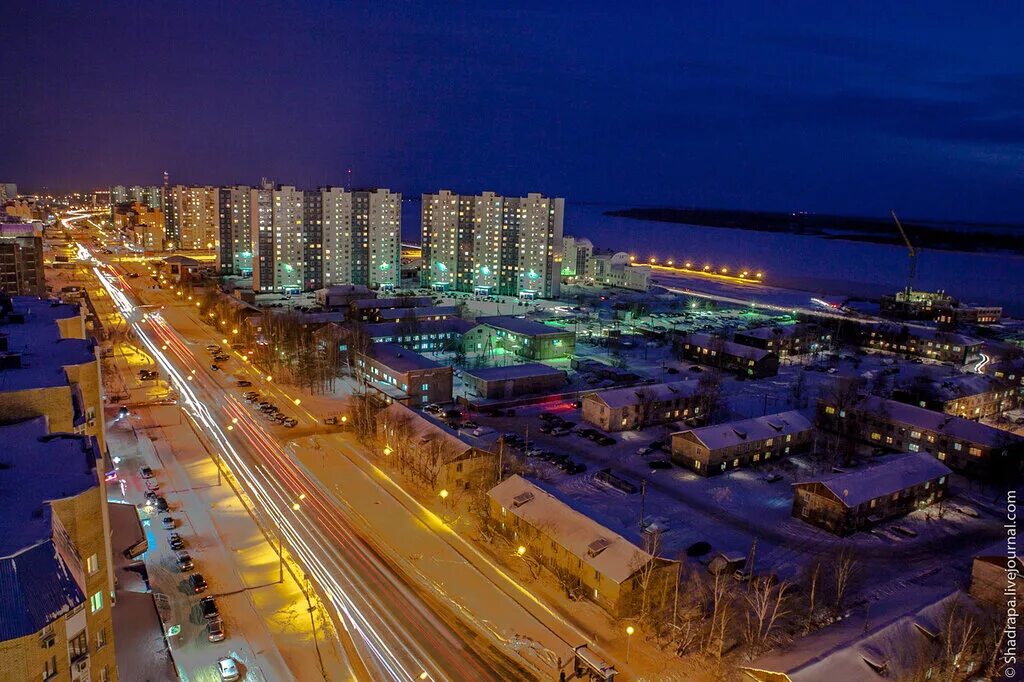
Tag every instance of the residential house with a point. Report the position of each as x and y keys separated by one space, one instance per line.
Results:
x=711 y=450
x=519 y=336
x=794 y=339
x=637 y=407
x=747 y=361
x=401 y=375
x=588 y=557
x=856 y=500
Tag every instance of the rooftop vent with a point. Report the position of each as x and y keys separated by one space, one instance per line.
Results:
x=740 y=432
x=597 y=546
x=521 y=499
x=778 y=426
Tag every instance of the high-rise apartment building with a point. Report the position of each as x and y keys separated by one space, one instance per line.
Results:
x=234 y=255
x=491 y=244
x=193 y=217
x=304 y=241
x=21 y=259
x=119 y=195
x=151 y=195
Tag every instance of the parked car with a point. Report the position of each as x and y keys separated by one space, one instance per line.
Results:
x=197 y=583
x=330 y=421
x=215 y=630
x=643 y=451
x=152 y=484
x=167 y=522
x=175 y=541
x=228 y=669
x=660 y=464
x=150 y=497
x=161 y=504
x=145 y=472
x=604 y=440
x=213 y=348
x=242 y=383
x=773 y=477
x=291 y=423
x=209 y=608
x=184 y=561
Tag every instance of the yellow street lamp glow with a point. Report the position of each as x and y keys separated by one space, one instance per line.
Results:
x=164 y=347
x=630 y=630
x=653 y=260
x=179 y=294
x=724 y=270
x=234 y=420
x=297 y=401
x=443 y=494
x=387 y=450
x=759 y=275
x=234 y=331
x=302 y=496
x=230 y=427
x=688 y=264
x=198 y=304
x=270 y=378
x=295 y=506
x=344 y=419
x=521 y=551
x=670 y=263
x=223 y=340
x=190 y=297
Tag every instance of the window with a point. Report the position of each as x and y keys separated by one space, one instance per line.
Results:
x=915 y=434
x=830 y=410
x=942 y=456
x=975 y=451
x=873 y=503
x=96 y=602
x=78 y=646
x=876 y=436
x=696 y=464
x=104 y=674
x=101 y=638
x=50 y=668
x=914 y=447
x=958 y=446
x=92 y=564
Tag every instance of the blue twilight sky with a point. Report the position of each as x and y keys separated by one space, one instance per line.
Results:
x=850 y=107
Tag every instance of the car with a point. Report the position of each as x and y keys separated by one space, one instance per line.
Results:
x=242 y=383
x=433 y=408
x=145 y=472
x=546 y=428
x=213 y=348
x=291 y=423
x=215 y=368
x=228 y=669
x=643 y=451
x=741 y=575
x=167 y=522
x=148 y=375
x=469 y=424
x=773 y=477
x=657 y=445
x=209 y=609
x=161 y=504
x=221 y=358
x=696 y=369
x=604 y=440
x=152 y=484
x=150 y=497
x=660 y=464
x=533 y=452
x=197 y=583
x=175 y=541
x=672 y=370
x=330 y=421
x=548 y=416
x=215 y=630
x=184 y=561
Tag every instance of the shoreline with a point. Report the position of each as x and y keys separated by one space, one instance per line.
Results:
x=928 y=236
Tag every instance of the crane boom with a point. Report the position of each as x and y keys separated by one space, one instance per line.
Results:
x=912 y=267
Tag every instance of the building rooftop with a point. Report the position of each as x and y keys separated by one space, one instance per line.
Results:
x=529 y=369
x=925 y=333
x=929 y=420
x=747 y=430
x=37 y=588
x=519 y=325
x=623 y=397
x=729 y=347
x=400 y=359
x=418 y=311
x=425 y=430
x=896 y=634
x=182 y=260
x=32 y=332
x=395 y=302
x=772 y=332
x=896 y=473
x=36 y=467
x=596 y=545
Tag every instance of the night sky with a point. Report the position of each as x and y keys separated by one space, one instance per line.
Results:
x=850 y=107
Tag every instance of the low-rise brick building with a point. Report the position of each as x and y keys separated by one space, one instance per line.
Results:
x=495 y=383
x=404 y=376
x=920 y=342
x=857 y=500
x=714 y=449
x=794 y=339
x=525 y=338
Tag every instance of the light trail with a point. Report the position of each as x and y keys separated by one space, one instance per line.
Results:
x=370 y=602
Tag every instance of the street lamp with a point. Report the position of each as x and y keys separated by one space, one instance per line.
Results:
x=629 y=638
x=521 y=550
x=297 y=401
x=295 y=506
x=444 y=500
x=387 y=450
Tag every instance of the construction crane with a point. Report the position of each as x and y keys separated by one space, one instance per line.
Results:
x=912 y=267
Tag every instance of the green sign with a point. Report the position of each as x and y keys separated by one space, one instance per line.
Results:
x=173 y=630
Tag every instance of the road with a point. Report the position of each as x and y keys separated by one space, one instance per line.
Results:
x=391 y=629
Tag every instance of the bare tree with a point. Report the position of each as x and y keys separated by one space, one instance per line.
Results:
x=844 y=566
x=813 y=576
x=766 y=605
x=646 y=402
x=709 y=395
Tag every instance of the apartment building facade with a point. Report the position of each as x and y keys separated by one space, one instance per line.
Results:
x=966 y=446
x=714 y=449
x=21 y=259
x=234 y=252
x=490 y=244
x=56 y=620
x=727 y=355
x=193 y=217
x=638 y=407
x=404 y=376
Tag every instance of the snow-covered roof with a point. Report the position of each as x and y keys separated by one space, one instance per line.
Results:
x=418 y=311
x=44 y=354
x=519 y=325
x=728 y=434
x=400 y=359
x=599 y=547
x=925 y=333
x=929 y=420
x=895 y=635
x=395 y=302
x=728 y=347
x=771 y=332
x=424 y=429
x=528 y=369
x=623 y=397
x=855 y=488
x=37 y=588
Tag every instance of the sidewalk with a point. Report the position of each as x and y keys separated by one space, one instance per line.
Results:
x=267 y=623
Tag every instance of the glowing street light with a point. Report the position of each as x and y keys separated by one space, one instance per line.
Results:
x=295 y=506
x=521 y=550
x=297 y=401
x=387 y=450
x=443 y=494
x=629 y=638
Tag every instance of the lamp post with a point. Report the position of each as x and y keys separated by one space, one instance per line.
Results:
x=629 y=638
x=444 y=506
